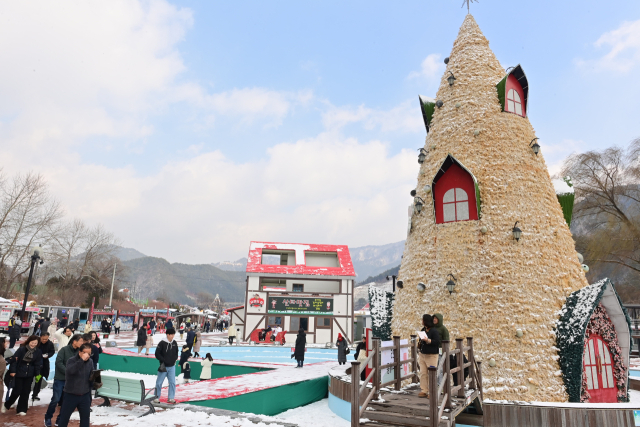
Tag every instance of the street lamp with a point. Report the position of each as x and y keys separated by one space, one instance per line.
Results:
x=418 y=203
x=451 y=284
x=35 y=257
x=422 y=155
x=535 y=147
x=451 y=79
x=517 y=233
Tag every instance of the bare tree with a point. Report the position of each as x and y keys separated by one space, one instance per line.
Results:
x=81 y=258
x=204 y=300
x=28 y=213
x=607 y=210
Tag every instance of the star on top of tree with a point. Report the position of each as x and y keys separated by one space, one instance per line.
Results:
x=467 y=3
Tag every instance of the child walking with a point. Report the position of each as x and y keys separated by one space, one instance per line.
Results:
x=184 y=363
x=206 y=367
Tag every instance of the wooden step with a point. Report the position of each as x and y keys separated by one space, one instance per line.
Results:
x=397 y=419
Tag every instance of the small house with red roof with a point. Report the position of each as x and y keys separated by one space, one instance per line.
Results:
x=293 y=286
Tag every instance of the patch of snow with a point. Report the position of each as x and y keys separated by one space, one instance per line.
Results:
x=316 y=414
x=561 y=186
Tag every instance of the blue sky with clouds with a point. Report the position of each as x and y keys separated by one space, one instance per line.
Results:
x=191 y=128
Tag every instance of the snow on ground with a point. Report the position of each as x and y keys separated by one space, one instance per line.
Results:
x=316 y=414
x=120 y=417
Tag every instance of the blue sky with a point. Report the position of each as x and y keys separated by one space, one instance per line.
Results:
x=191 y=128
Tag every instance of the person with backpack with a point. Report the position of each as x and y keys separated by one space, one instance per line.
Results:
x=48 y=350
x=26 y=365
x=191 y=338
x=184 y=363
x=77 y=388
x=167 y=355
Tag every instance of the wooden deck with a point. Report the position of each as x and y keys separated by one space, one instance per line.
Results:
x=374 y=404
x=407 y=409
x=499 y=415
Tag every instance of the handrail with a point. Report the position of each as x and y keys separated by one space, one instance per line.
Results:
x=450 y=393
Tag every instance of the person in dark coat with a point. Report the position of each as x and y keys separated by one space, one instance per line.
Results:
x=185 y=367
x=36 y=328
x=167 y=355
x=64 y=354
x=76 y=324
x=362 y=346
x=44 y=326
x=301 y=342
x=191 y=338
x=15 y=330
x=429 y=346
x=342 y=350
x=142 y=339
x=77 y=388
x=26 y=365
x=48 y=350
x=96 y=348
x=63 y=323
x=169 y=324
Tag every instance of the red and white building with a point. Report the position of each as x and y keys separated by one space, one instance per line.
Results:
x=295 y=286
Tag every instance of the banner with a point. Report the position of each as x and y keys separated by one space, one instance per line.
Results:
x=387 y=355
x=305 y=305
x=93 y=302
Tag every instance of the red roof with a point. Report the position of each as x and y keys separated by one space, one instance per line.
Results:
x=234 y=308
x=254 y=263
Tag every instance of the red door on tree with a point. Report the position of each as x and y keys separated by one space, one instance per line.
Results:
x=598 y=368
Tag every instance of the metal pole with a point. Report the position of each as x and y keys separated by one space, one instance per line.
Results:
x=113 y=278
x=26 y=293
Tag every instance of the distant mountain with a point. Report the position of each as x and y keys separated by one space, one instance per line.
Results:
x=239 y=265
x=150 y=277
x=382 y=277
x=126 y=254
x=373 y=260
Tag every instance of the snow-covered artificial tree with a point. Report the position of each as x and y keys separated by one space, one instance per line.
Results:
x=480 y=173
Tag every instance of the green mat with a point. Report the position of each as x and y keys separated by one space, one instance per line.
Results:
x=149 y=366
x=273 y=401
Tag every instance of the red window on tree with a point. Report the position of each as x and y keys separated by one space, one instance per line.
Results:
x=515 y=97
x=598 y=369
x=455 y=196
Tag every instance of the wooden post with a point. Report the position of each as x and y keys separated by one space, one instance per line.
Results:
x=396 y=369
x=355 y=394
x=414 y=356
x=377 y=376
x=480 y=380
x=433 y=395
x=460 y=373
x=446 y=377
x=472 y=367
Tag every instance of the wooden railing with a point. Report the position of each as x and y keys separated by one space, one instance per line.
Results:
x=361 y=394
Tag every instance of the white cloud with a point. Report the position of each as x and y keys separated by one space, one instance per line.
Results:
x=404 y=117
x=623 y=45
x=324 y=189
x=431 y=69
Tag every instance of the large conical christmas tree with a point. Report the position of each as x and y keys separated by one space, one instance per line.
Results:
x=479 y=177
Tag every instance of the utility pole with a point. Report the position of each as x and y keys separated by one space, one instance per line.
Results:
x=113 y=278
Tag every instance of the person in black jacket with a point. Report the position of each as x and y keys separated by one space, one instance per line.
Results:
x=26 y=365
x=191 y=339
x=142 y=339
x=167 y=355
x=301 y=342
x=48 y=350
x=429 y=346
x=77 y=387
x=362 y=346
x=15 y=330
x=184 y=363
x=96 y=349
